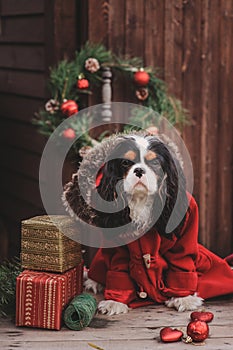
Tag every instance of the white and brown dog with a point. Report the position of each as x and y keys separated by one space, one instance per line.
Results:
x=142 y=175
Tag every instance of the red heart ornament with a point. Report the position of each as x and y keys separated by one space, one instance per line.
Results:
x=168 y=335
x=202 y=316
x=198 y=330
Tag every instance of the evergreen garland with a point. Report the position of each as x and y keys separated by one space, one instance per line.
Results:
x=9 y=270
x=63 y=86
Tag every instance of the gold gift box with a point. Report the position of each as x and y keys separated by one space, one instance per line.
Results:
x=44 y=245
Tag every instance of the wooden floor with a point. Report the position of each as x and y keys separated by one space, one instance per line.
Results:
x=137 y=330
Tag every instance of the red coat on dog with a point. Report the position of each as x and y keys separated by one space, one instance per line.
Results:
x=175 y=267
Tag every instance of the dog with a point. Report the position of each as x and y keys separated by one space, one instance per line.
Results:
x=157 y=257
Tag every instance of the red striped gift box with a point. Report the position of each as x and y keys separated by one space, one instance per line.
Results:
x=41 y=296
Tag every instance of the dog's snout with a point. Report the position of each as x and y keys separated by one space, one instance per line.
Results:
x=139 y=172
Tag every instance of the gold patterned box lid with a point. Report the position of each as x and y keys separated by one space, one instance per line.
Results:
x=45 y=247
x=49 y=227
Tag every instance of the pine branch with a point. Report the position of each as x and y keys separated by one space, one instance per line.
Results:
x=9 y=270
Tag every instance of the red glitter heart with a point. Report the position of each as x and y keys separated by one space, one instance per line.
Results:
x=202 y=316
x=169 y=334
x=198 y=330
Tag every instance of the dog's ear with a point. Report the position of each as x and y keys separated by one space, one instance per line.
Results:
x=107 y=180
x=110 y=189
x=172 y=195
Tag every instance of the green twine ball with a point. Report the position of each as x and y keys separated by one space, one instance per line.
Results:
x=80 y=312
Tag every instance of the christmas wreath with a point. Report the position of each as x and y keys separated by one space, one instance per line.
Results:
x=71 y=81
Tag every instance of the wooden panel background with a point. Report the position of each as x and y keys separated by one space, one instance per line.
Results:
x=191 y=41
x=34 y=34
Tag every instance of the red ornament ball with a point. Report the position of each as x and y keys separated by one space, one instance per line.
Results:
x=69 y=133
x=82 y=84
x=198 y=330
x=141 y=78
x=202 y=316
x=168 y=335
x=69 y=108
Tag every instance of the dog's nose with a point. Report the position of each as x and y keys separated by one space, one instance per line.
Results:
x=139 y=172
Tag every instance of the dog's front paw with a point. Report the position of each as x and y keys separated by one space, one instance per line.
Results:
x=189 y=303
x=111 y=307
x=92 y=286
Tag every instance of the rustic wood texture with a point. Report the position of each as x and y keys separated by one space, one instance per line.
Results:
x=22 y=57
x=34 y=35
x=191 y=82
x=223 y=234
x=173 y=49
x=97 y=32
x=65 y=26
x=137 y=330
x=21 y=7
x=154 y=46
x=191 y=43
x=16 y=29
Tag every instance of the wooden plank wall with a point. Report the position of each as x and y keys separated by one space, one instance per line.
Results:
x=192 y=42
x=34 y=34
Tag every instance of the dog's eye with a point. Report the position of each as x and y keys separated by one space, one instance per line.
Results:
x=126 y=163
x=153 y=161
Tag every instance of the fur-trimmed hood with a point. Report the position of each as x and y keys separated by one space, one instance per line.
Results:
x=77 y=196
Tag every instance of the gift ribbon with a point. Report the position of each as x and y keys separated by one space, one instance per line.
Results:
x=80 y=312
